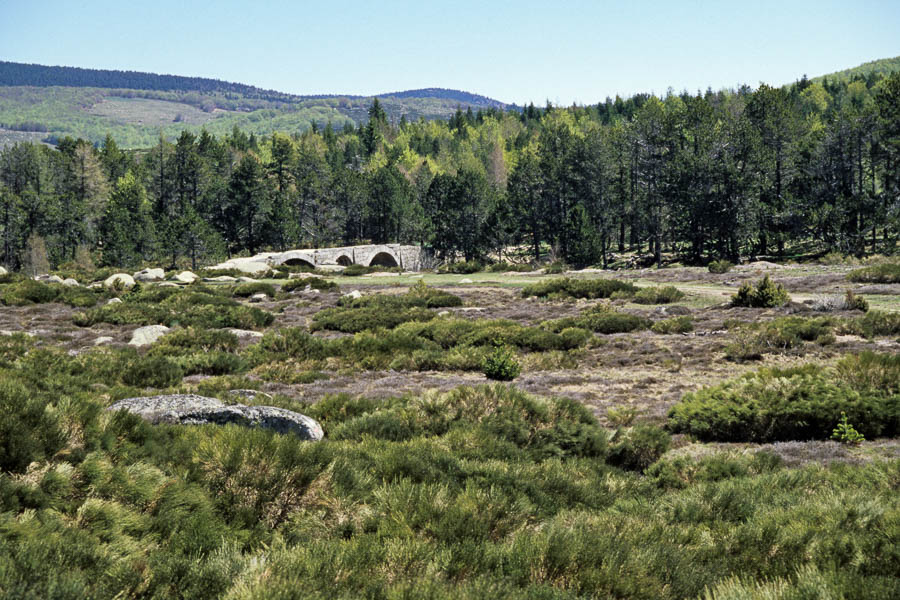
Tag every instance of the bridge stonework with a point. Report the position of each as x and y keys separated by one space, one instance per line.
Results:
x=409 y=258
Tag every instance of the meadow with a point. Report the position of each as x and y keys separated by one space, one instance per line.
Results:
x=671 y=433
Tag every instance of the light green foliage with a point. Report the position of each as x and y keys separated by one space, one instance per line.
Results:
x=578 y=288
x=658 y=295
x=845 y=432
x=766 y=294
x=720 y=266
x=883 y=273
x=798 y=403
x=682 y=324
x=501 y=365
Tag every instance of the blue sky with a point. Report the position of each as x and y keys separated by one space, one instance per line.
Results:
x=521 y=51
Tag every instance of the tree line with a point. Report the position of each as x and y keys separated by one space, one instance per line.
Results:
x=812 y=167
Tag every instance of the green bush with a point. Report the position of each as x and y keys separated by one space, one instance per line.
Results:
x=720 y=266
x=501 y=365
x=557 y=267
x=637 y=448
x=503 y=267
x=246 y=290
x=658 y=295
x=578 y=288
x=799 y=403
x=462 y=268
x=876 y=323
x=356 y=271
x=152 y=371
x=883 y=273
x=29 y=428
x=766 y=294
x=419 y=295
x=682 y=324
x=316 y=283
x=354 y=320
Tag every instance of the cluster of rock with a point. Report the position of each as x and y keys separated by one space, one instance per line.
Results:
x=191 y=409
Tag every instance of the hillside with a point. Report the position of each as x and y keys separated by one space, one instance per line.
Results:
x=883 y=66
x=135 y=108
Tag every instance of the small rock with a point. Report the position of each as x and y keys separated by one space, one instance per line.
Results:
x=168 y=284
x=186 y=277
x=71 y=282
x=190 y=409
x=119 y=279
x=247 y=280
x=7 y=332
x=443 y=313
x=465 y=280
x=3 y=271
x=150 y=275
x=221 y=279
x=114 y=301
x=354 y=294
x=144 y=336
x=105 y=339
x=260 y=297
x=95 y=285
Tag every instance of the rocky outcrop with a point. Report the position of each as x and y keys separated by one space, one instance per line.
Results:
x=190 y=409
x=150 y=275
x=123 y=280
x=144 y=336
x=186 y=277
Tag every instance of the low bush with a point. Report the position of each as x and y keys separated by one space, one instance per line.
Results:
x=354 y=320
x=766 y=294
x=658 y=295
x=462 y=268
x=578 y=288
x=720 y=266
x=799 y=403
x=848 y=301
x=501 y=365
x=875 y=323
x=418 y=296
x=249 y=289
x=638 y=447
x=315 y=283
x=882 y=273
x=682 y=324
x=356 y=271
x=557 y=267
x=28 y=291
x=503 y=267
x=152 y=371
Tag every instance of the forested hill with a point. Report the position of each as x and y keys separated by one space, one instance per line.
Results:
x=875 y=68
x=22 y=74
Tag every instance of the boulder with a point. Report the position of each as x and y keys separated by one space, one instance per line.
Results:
x=190 y=409
x=68 y=281
x=48 y=278
x=186 y=277
x=465 y=280
x=143 y=336
x=119 y=279
x=104 y=339
x=150 y=275
x=245 y=333
x=3 y=271
x=672 y=310
x=354 y=294
x=168 y=284
x=220 y=279
x=243 y=279
x=114 y=301
x=251 y=267
x=260 y=297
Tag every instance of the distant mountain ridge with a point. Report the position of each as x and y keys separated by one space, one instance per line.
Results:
x=25 y=74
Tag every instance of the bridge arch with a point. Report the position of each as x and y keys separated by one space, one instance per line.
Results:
x=294 y=258
x=384 y=259
x=344 y=260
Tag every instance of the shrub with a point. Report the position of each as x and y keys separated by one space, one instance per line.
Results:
x=766 y=294
x=356 y=271
x=152 y=371
x=845 y=433
x=799 y=403
x=658 y=295
x=248 y=289
x=29 y=429
x=578 y=288
x=637 y=448
x=462 y=268
x=608 y=322
x=501 y=365
x=557 y=267
x=720 y=266
x=682 y=324
x=503 y=266
x=354 y=320
x=883 y=273
x=315 y=283
x=875 y=323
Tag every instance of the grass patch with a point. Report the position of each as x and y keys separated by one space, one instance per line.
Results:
x=882 y=273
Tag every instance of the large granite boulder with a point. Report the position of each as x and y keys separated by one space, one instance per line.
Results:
x=123 y=280
x=150 y=275
x=186 y=277
x=190 y=409
x=3 y=271
x=144 y=336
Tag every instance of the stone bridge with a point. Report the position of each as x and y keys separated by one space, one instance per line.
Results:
x=409 y=258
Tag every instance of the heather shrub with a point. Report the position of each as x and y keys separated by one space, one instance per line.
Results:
x=719 y=266
x=152 y=371
x=658 y=295
x=246 y=290
x=682 y=324
x=503 y=267
x=578 y=288
x=501 y=365
x=766 y=294
x=556 y=267
x=354 y=320
x=881 y=273
x=638 y=447
x=799 y=403
x=315 y=283
x=462 y=268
